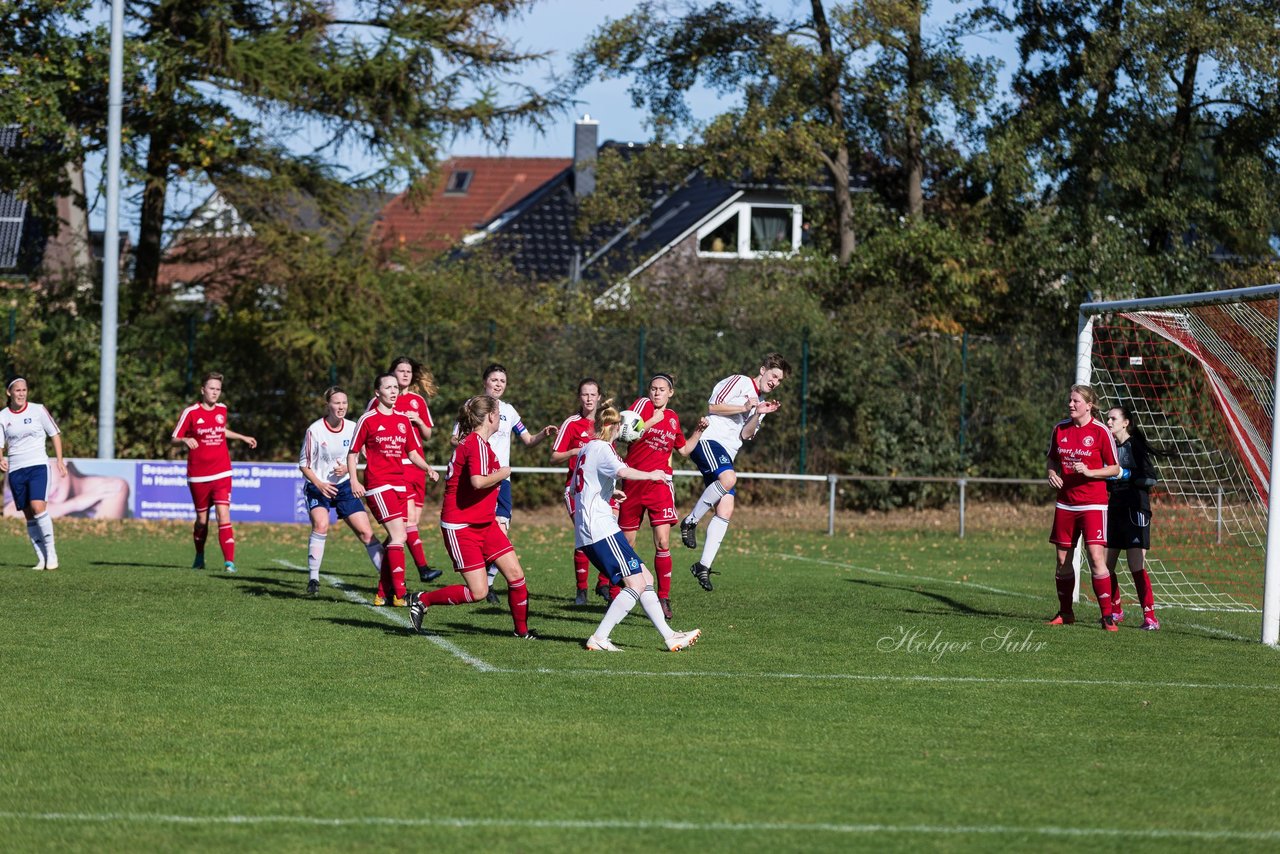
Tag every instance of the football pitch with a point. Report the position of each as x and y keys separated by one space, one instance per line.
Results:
x=891 y=690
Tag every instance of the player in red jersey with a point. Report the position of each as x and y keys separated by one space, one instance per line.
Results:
x=652 y=452
x=572 y=434
x=417 y=387
x=202 y=429
x=1082 y=455
x=387 y=439
x=469 y=523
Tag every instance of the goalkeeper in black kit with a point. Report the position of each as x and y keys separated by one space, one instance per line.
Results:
x=1129 y=512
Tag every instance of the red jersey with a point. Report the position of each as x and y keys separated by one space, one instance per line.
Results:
x=210 y=459
x=463 y=503
x=1092 y=445
x=575 y=432
x=386 y=441
x=652 y=451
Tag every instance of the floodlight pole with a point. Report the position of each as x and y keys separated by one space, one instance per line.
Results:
x=111 y=241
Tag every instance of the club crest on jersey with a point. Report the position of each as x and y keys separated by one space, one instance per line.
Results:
x=633 y=564
x=413 y=403
x=219 y=418
x=400 y=427
x=1087 y=441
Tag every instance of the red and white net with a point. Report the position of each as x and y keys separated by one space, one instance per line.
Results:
x=1200 y=381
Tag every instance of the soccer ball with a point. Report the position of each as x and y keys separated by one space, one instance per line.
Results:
x=631 y=427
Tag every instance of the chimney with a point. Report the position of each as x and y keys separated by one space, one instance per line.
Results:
x=586 y=134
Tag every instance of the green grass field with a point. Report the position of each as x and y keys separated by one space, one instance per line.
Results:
x=146 y=706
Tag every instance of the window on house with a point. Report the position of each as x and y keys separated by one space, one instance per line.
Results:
x=770 y=230
x=723 y=239
x=746 y=230
x=458 y=182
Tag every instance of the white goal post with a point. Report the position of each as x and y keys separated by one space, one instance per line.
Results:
x=1200 y=371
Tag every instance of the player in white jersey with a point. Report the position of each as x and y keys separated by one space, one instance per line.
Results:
x=323 y=462
x=494 y=378
x=734 y=413
x=592 y=484
x=23 y=429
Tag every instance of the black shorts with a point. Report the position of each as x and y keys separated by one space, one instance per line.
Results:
x=1128 y=528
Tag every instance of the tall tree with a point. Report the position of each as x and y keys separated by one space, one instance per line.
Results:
x=825 y=91
x=227 y=88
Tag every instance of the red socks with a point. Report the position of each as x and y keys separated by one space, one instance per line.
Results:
x=393 y=567
x=1102 y=590
x=414 y=542
x=662 y=569
x=1066 y=591
x=1143 y=582
x=226 y=539
x=454 y=594
x=518 y=599
x=200 y=533
x=581 y=568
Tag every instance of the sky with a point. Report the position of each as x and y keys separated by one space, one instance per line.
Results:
x=558 y=27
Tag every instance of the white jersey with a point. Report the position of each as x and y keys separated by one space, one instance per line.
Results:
x=324 y=449
x=736 y=390
x=500 y=441
x=595 y=473
x=23 y=434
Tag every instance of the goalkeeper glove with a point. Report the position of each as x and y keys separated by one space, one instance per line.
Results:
x=1125 y=474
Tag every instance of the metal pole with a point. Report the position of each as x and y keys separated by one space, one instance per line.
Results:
x=964 y=379
x=111 y=240
x=831 y=505
x=1271 y=586
x=962 y=483
x=1219 y=515
x=1084 y=374
x=804 y=401
x=642 y=389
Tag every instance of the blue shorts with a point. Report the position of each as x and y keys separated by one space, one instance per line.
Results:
x=29 y=484
x=712 y=460
x=504 y=500
x=614 y=557
x=344 y=502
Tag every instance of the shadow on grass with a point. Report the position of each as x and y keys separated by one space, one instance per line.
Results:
x=256 y=579
x=376 y=625
x=184 y=566
x=950 y=604
x=464 y=629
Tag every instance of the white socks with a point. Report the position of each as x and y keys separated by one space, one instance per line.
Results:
x=493 y=573
x=315 y=554
x=710 y=498
x=622 y=605
x=37 y=539
x=619 y=608
x=653 y=608
x=716 y=529
x=45 y=526
x=373 y=548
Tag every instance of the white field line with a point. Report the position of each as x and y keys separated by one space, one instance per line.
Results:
x=904 y=576
x=882 y=677
x=691 y=826
x=392 y=617
x=1210 y=630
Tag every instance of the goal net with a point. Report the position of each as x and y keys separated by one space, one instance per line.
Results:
x=1198 y=373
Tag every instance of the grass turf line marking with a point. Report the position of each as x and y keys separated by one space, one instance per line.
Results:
x=904 y=576
x=392 y=617
x=610 y=824
x=884 y=677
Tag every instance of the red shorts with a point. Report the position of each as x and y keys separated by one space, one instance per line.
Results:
x=415 y=484
x=656 y=496
x=1089 y=521
x=207 y=493
x=475 y=546
x=387 y=504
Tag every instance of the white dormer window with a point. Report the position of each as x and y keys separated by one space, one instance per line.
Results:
x=751 y=230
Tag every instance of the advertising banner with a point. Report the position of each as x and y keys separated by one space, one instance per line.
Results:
x=157 y=489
